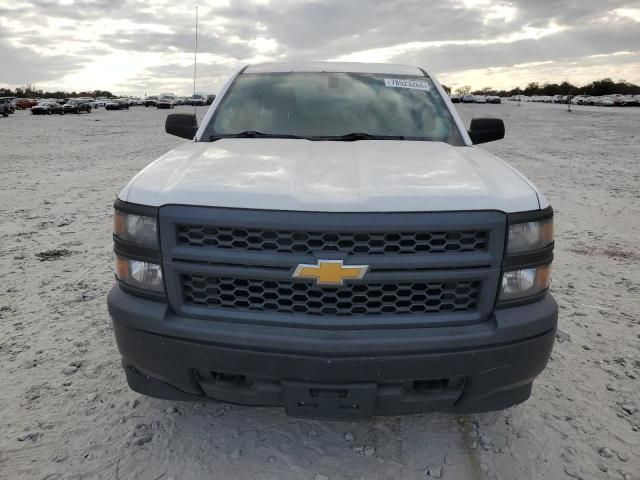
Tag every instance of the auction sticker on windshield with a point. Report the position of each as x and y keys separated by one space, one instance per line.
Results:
x=400 y=83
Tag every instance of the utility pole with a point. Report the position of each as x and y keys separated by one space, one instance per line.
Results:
x=195 y=54
x=195 y=63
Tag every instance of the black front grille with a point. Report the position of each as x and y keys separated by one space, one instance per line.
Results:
x=352 y=243
x=310 y=299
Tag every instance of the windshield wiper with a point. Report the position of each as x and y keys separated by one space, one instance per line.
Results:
x=349 y=137
x=252 y=134
x=352 y=137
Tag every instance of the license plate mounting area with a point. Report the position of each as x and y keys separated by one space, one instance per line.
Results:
x=330 y=401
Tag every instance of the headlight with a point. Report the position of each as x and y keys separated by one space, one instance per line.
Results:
x=138 y=261
x=138 y=229
x=517 y=284
x=139 y=274
x=524 y=237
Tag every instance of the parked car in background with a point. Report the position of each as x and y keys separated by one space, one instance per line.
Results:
x=618 y=99
x=605 y=102
x=76 y=105
x=117 y=104
x=151 y=101
x=5 y=108
x=210 y=99
x=7 y=105
x=47 y=108
x=101 y=101
x=612 y=100
x=468 y=99
x=42 y=108
x=91 y=101
x=631 y=101
x=56 y=107
x=455 y=98
x=166 y=101
x=480 y=99
x=494 y=99
x=25 y=103
x=198 y=100
x=181 y=100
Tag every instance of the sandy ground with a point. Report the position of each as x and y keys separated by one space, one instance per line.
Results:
x=65 y=409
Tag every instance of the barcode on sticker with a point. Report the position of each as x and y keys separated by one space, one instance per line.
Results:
x=399 y=83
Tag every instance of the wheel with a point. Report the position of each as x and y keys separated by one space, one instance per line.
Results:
x=5 y=114
x=61 y=112
x=89 y=110
x=48 y=112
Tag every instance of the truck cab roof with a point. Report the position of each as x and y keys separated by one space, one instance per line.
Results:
x=335 y=67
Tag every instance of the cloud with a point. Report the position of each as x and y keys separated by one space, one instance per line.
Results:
x=22 y=65
x=75 y=10
x=568 y=12
x=564 y=46
x=333 y=27
x=137 y=46
x=132 y=40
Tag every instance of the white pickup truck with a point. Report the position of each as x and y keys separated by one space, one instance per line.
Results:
x=330 y=240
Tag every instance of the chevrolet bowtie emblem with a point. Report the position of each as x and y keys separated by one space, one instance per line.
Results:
x=330 y=272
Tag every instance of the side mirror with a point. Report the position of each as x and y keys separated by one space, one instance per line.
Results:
x=485 y=130
x=183 y=125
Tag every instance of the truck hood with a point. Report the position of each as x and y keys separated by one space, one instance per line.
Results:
x=360 y=176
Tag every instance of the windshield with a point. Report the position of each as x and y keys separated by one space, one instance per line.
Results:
x=328 y=106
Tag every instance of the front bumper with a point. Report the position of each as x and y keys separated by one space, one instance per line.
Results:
x=340 y=374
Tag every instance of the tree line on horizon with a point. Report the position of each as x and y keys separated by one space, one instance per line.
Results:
x=30 y=91
x=605 y=86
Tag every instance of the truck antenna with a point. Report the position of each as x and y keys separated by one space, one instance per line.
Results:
x=195 y=60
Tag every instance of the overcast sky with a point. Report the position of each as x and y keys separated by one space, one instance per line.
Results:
x=146 y=46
